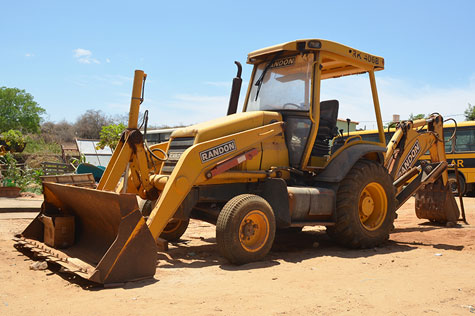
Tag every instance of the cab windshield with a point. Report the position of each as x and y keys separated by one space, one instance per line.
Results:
x=285 y=85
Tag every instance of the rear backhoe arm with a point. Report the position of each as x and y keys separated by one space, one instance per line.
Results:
x=429 y=181
x=411 y=141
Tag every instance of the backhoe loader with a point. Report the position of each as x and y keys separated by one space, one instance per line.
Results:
x=272 y=166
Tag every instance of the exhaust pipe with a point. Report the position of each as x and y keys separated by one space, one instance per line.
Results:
x=235 y=90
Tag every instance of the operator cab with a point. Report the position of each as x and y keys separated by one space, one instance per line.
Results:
x=283 y=84
x=287 y=79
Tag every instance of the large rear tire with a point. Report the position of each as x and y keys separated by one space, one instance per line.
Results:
x=365 y=207
x=245 y=229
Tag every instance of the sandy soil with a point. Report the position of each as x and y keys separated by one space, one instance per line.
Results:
x=423 y=269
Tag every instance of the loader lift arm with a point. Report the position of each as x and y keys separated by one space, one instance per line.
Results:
x=113 y=241
x=189 y=172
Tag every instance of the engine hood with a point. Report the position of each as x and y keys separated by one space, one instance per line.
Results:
x=226 y=125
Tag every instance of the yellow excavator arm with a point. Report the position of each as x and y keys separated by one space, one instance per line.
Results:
x=428 y=180
x=413 y=139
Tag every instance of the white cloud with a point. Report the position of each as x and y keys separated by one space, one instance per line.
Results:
x=116 y=80
x=108 y=60
x=103 y=80
x=28 y=55
x=203 y=99
x=84 y=56
x=354 y=94
x=406 y=98
x=119 y=107
x=199 y=106
x=185 y=109
x=225 y=84
x=396 y=97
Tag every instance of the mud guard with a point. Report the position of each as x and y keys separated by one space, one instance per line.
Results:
x=341 y=165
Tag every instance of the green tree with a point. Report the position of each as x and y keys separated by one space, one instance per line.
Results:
x=413 y=117
x=18 y=111
x=470 y=113
x=110 y=135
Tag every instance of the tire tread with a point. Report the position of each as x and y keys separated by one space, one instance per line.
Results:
x=348 y=231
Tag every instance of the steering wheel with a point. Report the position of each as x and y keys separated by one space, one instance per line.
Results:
x=299 y=107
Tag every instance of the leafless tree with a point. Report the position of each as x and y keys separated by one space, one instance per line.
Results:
x=90 y=124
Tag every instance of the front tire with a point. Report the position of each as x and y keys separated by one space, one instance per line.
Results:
x=174 y=229
x=245 y=229
x=146 y=207
x=365 y=207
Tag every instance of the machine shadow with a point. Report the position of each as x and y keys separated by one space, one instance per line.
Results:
x=293 y=247
x=436 y=246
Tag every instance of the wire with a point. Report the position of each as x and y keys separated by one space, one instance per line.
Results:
x=144 y=122
x=165 y=155
x=453 y=138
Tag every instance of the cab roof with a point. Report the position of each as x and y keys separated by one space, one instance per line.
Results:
x=337 y=59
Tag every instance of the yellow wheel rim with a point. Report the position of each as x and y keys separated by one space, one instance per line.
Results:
x=372 y=206
x=254 y=231
x=172 y=225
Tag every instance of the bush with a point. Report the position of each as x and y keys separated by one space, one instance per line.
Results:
x=36 y=144
x=13 y=140
x=28 y=180
x=62 y=132
x=89 y=124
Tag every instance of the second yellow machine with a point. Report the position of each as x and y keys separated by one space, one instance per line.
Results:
x=272 y=166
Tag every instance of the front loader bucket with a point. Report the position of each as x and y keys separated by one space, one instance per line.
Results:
x=436 y=202
x=112 y=243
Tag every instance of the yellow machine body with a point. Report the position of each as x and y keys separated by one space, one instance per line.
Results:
x=274 y=165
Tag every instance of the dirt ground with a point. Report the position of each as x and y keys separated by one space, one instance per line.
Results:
x=422 y=270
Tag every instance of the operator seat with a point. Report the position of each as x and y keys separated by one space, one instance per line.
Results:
x=327 y=129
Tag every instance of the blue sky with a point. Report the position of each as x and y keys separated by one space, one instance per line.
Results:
x=74 y=56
